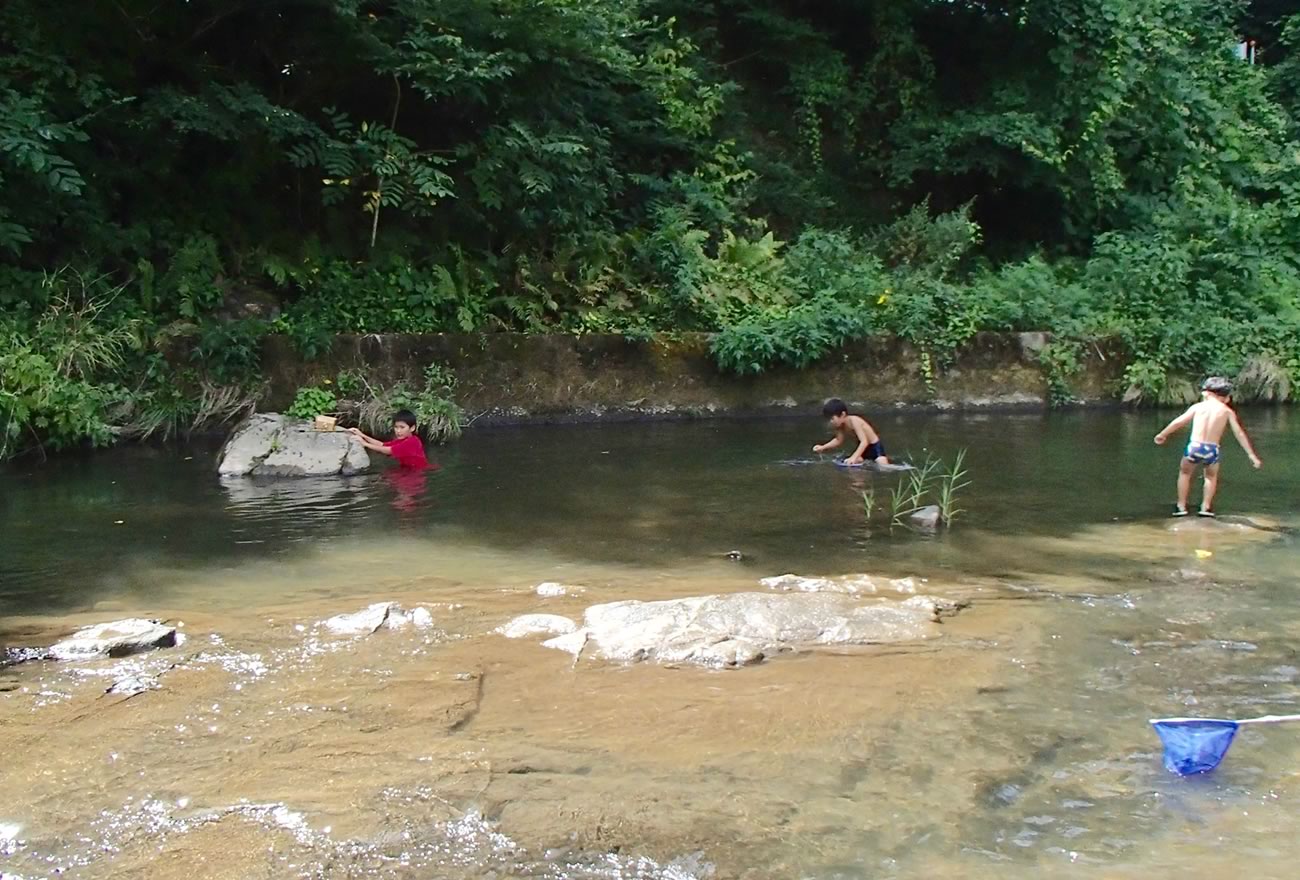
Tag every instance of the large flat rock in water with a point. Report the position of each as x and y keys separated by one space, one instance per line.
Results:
x=742 y=628
x=116 y=639
x=272 y=445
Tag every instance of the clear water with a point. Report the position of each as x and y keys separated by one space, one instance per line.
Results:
x=1014 y=746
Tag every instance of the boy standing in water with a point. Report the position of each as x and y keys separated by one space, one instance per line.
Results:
x=405 y=445
x=1208 y=419
x=844 y=424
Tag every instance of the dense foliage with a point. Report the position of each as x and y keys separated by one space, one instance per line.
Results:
x=179 y=178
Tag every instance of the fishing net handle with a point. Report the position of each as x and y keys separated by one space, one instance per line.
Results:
x=1270 y=719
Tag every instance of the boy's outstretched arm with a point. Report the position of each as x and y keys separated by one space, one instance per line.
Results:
x=1240 y=433
x=834 y=443
x=1176 y=425
x=370 y=442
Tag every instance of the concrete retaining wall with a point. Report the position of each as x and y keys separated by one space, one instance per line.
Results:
x=506 y=377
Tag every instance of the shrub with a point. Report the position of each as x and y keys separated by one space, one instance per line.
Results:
x=795 y=337
x=438 y=416
x=310 y=402
x=56 y=371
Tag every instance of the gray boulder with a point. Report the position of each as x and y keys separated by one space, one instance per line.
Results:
x=117 y=639
x=741 y=628
x=272 y=445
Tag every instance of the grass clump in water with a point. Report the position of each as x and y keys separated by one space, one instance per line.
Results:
x=931 y=483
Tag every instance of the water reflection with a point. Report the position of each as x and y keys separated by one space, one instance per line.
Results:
x=287 y=501
x=410 y=487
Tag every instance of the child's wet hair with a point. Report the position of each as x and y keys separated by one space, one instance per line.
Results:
x=1217 y=385
x=834 y=407
x=406 y=417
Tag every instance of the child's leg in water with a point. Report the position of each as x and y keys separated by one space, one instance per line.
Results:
x=1211 y=486
x=1185 y=469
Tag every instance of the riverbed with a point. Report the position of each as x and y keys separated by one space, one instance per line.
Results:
x=1013 y=745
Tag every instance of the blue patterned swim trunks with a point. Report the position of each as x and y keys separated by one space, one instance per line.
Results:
x=1203 y=453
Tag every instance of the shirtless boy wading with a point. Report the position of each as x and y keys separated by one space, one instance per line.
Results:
x=867 y=444
x=1208 y=419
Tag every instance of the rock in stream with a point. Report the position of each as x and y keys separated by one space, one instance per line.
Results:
x=537 y=625
x=926 y=518
x=380 y=615
x=272 y=445
x=852 y=584
x=116 y=639
x=736 y=629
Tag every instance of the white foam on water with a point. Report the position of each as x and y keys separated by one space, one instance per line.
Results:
x=9 y=842
x=469 y=841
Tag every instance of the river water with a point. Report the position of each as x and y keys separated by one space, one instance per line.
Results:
x=1015 y=745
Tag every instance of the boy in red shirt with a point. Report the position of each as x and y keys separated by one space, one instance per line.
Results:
x=405 y=445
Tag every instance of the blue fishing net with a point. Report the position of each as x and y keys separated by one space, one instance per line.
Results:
x=1194 y=745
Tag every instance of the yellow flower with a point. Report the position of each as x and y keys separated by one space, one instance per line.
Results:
x=882 y=299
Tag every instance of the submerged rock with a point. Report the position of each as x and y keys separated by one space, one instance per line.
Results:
x=116 y=639
x=792 y=583
x=14 y=656
x=851 y=584
x=925 y=518
x=130 y=685
x=552 y=590
x=936 y=606
x=1226 y=523
x=537 y=625
x=380 y=615
x=742 y=628
x=362 y=622
x=272 y=445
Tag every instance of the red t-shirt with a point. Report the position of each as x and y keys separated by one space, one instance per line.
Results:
x=409 y=452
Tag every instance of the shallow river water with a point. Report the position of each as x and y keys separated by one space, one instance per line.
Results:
x=1014 y=745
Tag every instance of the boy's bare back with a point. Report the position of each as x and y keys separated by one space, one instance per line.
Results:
x=1209 y=419
x=858 y=427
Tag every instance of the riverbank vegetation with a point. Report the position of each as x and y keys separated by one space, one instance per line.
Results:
x=179 y=179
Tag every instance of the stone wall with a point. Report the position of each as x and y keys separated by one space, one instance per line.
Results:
x=507 y=377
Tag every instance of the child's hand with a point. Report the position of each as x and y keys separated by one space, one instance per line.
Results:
x=1255 y=460
x=852 y=462
x=818 y=448
x=1160 y=439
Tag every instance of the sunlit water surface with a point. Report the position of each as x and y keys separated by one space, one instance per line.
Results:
x=1016 y=745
